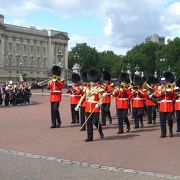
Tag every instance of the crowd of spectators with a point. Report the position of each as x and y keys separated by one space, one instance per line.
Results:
x=14 y=93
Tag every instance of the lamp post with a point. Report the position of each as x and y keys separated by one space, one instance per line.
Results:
x=137 y=70
x=20 y=74
x=129 y=71
x=76 y=67
x=60 y=62
x=162 y=60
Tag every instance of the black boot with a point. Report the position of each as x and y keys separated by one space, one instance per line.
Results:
x=128 y=127
x=170 y=131
x=89 y=137
x=101 y=135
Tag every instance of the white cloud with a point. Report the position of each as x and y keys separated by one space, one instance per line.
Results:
x=171 y=19
x=126 y=22
x=18 y=8
x=108 y=28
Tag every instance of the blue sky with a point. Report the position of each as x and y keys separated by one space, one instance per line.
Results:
x=115 y=25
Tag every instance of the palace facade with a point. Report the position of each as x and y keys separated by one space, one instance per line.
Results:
x=30 y=53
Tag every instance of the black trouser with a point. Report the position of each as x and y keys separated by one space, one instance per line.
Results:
x=151 y=112
x=178 y=120
x=163 y=117
x=94 y=119
x=138 y=116
x=105 y=111
x=55 y=116
x=74 y=114
x=82 y=116
x=122 y=116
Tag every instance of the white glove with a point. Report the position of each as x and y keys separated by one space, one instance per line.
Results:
x=77 y=108
x=104 y=94
x=97 y=105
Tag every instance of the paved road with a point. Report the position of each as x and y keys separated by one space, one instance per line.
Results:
x=26 y=168
x=26 y=129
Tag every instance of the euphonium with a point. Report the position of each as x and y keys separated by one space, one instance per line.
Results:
x=169 y=87
x=147 y=87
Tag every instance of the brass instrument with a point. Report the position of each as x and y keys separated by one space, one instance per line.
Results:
x=46 y=82
x=167 y=87
x=147 y=87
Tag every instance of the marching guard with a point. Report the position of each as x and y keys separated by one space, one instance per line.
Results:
x=84 y=87
x=93 y=95
x=151 y=101
x=105 y=106
x=55 y=85
x=166 y=94
x=75 y=95
x=122 y=102
x=138 y=96
x=177 y=104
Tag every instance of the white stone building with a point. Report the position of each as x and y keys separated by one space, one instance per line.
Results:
x=156 y=38
x=31 y=52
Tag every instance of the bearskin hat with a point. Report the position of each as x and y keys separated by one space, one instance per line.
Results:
x=93 y=75
x=106 y=76
x=152 y=79
x=178 y=82
x=169 y=76
x=56 y=70
x=84 y=76
x=137 y=80
x=124 y=77
x=75 y=77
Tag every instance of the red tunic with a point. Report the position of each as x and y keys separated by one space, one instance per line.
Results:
x=149 y=101
x=75 y=94
x=177 y=102
x=122 y=98
x=166 y=103
x=108 y=88
x=93 y=97
x=138 y=98
x=55 y=87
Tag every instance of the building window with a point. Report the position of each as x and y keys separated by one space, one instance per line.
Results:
x=17 y=47
x=38 y=49
x=10 y=60
x=10 y=46
x=24 y=48
x=44 y=50
x=38 y=62
x=32 y=63
x=24 y=61
x=32 y=48
x=44 y=63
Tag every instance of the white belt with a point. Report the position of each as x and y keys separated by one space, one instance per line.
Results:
x=166 y=101
x=138 y=99
x=73 y=95
x=92 y=101
x=177 y=100
x=124 y=99
x=56 y=91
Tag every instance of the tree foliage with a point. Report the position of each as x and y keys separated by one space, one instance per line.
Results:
x=150 y=57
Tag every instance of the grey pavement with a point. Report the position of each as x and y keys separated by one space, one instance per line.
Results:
x=14 y=167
